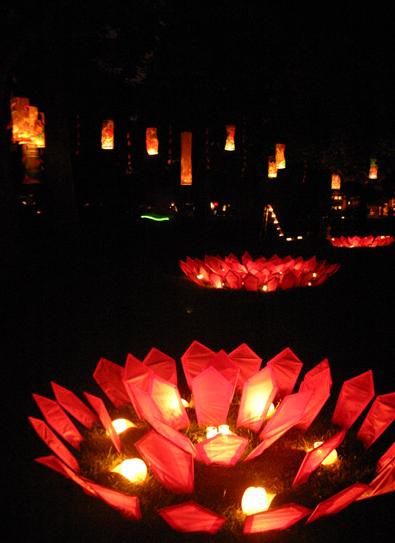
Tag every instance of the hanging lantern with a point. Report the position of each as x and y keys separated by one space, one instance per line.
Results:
x=373 y=171
x=336 y=181
x=280 y=156
x=107 y=135
x=186 y=158
x=20 y=120
x=230 y=137
x=272 y=167
x=133 y=469
x=151 y=141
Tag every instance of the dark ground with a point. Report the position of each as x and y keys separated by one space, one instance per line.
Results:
x=116 y=289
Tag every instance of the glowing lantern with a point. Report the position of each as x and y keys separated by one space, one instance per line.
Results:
x=332 y=457
x=107 y=135
x=151 y=141
x=186 y=158
x=121 y=425
x=20 y=119
x=230 y=137
x=255 y=500
x=335 y=181
x=133 y=469
x=280 y=156
x=272 y=168
x=373 y=171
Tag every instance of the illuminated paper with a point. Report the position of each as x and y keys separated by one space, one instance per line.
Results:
x=176 y=437
x=191 y=517
x=380 y=415
x=195 y=360
x=315 y=457
x=162 y=365
x=386 y=458
x=151 y=141
x=109 y=376
x=57 y=465
x=318 y=381
x=339 y=501
x=280 y=518
x=172 y=466
x=58 y=420
x=167 y=399
x=383 y=483
x=247 y=361
x=258 y=393
x=127 y=505
x=54 y=443
x=105 y=419
x=280 y=156
x=136 y=376
x=74 y=406
x=285 y=367
x=355 y=395
x=212 y=394
x=224 y=450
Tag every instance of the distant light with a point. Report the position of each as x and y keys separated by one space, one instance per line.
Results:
x=156 y=218
x=299 y=237
x=264 y=288
x=200 y=276
x=288 y=239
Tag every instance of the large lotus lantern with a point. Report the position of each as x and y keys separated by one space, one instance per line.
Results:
x=355 y=242
x=208 y=473
x=259 y=275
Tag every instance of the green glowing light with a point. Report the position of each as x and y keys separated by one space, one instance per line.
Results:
x=156 y=218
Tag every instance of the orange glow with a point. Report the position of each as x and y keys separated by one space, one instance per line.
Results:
x=230 y=137
x=280 y=156
x=255 y=500
x=151 y=141
x=332 y=457
x=133 y=469
x=120 y=425
x=373 y=171
x=270 y=411
x=27 y=123
x=335 y=181
x=107 y=135
x=168 y=400
x=272 y=168
x=257 y=395
x=186 y=158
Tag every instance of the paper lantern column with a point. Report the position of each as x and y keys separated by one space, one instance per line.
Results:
x=186 y=158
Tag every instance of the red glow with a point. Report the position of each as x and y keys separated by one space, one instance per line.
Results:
x=351 y=242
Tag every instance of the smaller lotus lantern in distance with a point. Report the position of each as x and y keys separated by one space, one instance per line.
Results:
x=355 y=242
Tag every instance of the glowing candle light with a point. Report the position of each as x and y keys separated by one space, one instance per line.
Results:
x=270 y=411
x=224 y=429
x=120 y=425
x=133 y=469
x=331 y=458
x=255 y=500
x=211 y=431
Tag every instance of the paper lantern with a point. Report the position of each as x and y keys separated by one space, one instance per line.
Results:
x=151 y=141
x=186 y=158
x=272 y=167
x=221 y=449
x=351 y=242
x=133 y=469
x=107 y=135
x=373 y=170
x=255 y=500
x=355 y=395
x=230 y=137
x=21 y=129
x=280 y=156
x=121 y=425
x=335 y=181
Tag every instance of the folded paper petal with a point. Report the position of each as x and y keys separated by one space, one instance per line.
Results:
x=54 y=443
x=163 y=365
x=136 y=374
x=143 y=404
x=127 y=505
x=247 y=361
x=109 y=376
x=289 y=412
x=195 y=360
x=105 y=419
x=167 y=399
x=58 y=420
x=339 y=501
x=380 y=415
x=280 y=518
x=212 y=394
x=225 y=365
x=258 y=393
x=315 y=457
x=172 y=466
x=355 y=395
x=177 y=438
x=285 y=367
x=386 y=458
x=383 y=483
x=191 y=517
x=224 y=450
x=57 y=465
x=73 y=405
x=318 y=380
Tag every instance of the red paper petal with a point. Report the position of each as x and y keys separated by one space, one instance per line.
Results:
x=247 y=361
x=162 y=365
x=109 y=376
x=225 y=450
x=339 y=501
x=379 y=417
x=73 y=405
x=280 y=518
x=285 y=367
x=355 y=395
x=212 y=394
x=195 y=360
x=105 y=419
x=258 y=393
x=191 y=517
